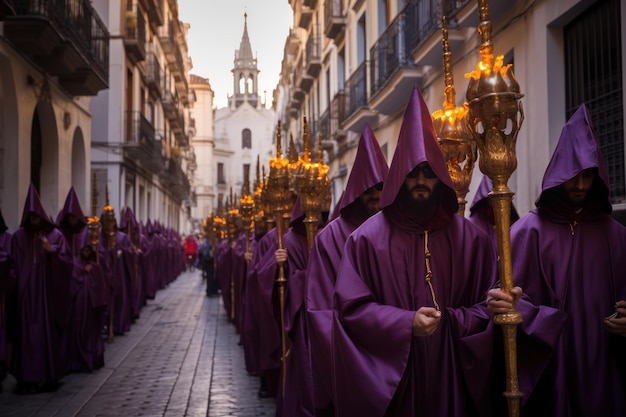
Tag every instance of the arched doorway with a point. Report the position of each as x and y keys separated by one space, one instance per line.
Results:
x=44 y=164
x=9 y=175
x=79 y=170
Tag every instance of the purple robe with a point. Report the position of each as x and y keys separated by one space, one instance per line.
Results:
x=268 y=317
x=570 y=266
x=239 y=272
x=120 y=258
x=129 y=225
x=250 y=328
x=368 y=170
x=89 y=287
x=380 y=368
x=298 y=399
x=43 y=296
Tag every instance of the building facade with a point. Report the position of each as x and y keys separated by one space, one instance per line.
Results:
x=203 y=182
x=245 y=129
x=45 y=93
x=348 y=62
x=140 y=143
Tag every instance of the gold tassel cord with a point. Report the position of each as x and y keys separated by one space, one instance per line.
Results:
x=429 y=272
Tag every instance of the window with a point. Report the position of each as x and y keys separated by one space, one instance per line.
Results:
x=220 y=173
x=246 y=139
x=593 y=62
x=361 y=47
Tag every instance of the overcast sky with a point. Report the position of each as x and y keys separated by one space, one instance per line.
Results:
x=216 y=27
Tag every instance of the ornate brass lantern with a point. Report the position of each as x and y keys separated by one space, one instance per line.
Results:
x=455 y=138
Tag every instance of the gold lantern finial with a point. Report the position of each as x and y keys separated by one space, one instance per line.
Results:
x=94 y=195
x=279 y=152
x=455 y=139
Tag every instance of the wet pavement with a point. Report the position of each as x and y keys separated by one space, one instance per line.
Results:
x=180 y=358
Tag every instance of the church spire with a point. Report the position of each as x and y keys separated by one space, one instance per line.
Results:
x=245 y=72
x=244 y=56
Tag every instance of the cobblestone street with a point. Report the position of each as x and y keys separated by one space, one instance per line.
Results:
x=180 y=358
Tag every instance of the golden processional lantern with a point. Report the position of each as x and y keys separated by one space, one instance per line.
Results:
x=280 y=200
x=495 y=116
x=93 y=223
x=246 y=204
x=455 y=138
x=266 y=201
x=312 y=185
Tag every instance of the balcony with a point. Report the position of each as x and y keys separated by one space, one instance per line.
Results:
x=313 y=54
x=167 y=37
x=424 y=26
x=337 y=115
x=302 y=14
x=334 y=19
x=65 y=39
x=140 y=144
x=135 y=34
x=293 y=42
x=153 y=76
x=169 y=101
x=393 y=72
x=174 y=180
x=154 y=9
x=358 y=112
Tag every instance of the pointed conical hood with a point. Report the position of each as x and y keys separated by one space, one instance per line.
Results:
x=417 y=143
x=482 y=193
x=576 y=151
x=482 y=197
x=296 y=212
x=369 y=169
x=33 y=205
x=128 y=218
x=71 y=206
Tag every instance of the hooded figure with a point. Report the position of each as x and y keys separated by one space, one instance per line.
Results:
x=90 y=292
x=263 y=343
x=120 y=258
x=481 y=213
x=71 y=220
x=410 y=337
x=129 y=225
x=359 y=201
x=43 y=268
x=569 y=256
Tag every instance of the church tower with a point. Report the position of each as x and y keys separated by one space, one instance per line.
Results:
x=245 y=73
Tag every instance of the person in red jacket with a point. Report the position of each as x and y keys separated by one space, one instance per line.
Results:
x=190 y=246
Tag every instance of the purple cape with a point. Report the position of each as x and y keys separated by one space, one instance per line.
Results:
x=571 y=268
x=368 y=170
x=89 y=287
x=381 y=284
x=43 y=296
x=121 y=260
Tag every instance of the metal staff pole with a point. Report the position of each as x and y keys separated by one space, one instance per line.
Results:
x=495 y=117
x=278 y=185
